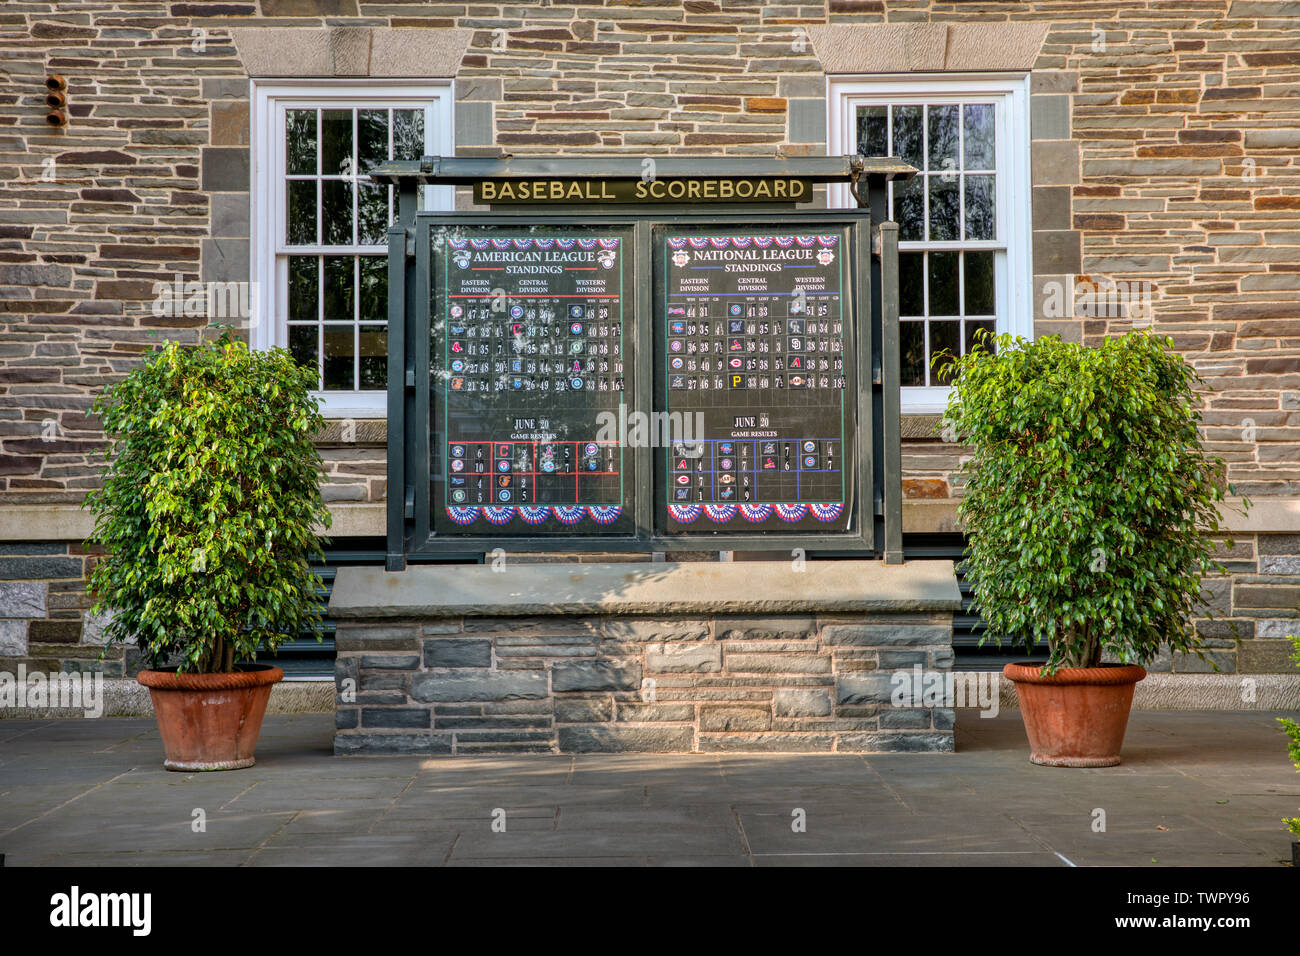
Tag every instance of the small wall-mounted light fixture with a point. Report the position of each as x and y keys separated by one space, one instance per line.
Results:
x=56 y=99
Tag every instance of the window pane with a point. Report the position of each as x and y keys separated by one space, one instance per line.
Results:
x=339 y=356
x=944 y=336
x=973 y=335
x=372 y=138
x=943 y=137
x=300 y=141
x=980 y=136
x=374 y=289
x=339 y=289
x=408 y=134
x=336 y=206
x=873 y=131
x=302 y=344
x=302 y=212
x=911 y=283
x=336 y=142
x=945 y=203
x=304 y=282
x=907 y=135
x=943 y=283
x=374 y=356
x=980 y=295
x=372 y=213
x=911 y=353
x=909 y=209
x=981 y=216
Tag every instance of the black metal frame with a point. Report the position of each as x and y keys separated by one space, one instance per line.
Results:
x=876 y=525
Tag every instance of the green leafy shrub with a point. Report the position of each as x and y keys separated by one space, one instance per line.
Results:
x=1292 y=731
x=210 y=505
x=1089 y=502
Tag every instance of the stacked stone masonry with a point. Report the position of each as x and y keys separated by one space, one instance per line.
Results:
x=1165 y=151
x=701 y=684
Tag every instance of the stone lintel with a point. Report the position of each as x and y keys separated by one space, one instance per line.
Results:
x=350 y=51
x=927 y=47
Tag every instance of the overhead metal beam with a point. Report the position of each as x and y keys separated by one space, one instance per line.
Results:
x=466 y=170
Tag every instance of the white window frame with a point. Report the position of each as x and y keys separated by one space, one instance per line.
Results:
x=1010 y=94
x=268 y=198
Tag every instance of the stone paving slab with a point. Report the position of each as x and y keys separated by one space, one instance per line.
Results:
x=1195 y=789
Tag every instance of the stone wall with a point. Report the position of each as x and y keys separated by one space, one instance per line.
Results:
x=419 y=675
x=1165 y=150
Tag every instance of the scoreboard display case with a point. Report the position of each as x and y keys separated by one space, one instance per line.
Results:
x=641 y=379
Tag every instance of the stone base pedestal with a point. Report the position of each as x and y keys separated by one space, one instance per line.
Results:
x=648 y=657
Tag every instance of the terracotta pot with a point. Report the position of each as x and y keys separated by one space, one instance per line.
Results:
x=210 y=721
x=1076 y=717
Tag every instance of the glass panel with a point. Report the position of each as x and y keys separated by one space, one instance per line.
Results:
x=303 y=345
x=980 y=294
x=372 y=213
x=980 y=136
x=973 y=335
x=911 y=353
x=909 y=209
x=302 y=212
x=943 y=283
x=339 y=289
x=300 y=141
x=372 y=138
x=945 y=203
x=911 y=283
x=944 y=336
x=374 y=288
x=981 y=215
x=339 y=352
x=304 y=282
x=408 y=134
x=336 y=208
x=907 y=134
x=374 y=356
x=873 y=131
x=943 y=137
x=336 y=143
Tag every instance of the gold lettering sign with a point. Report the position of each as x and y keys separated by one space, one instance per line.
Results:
x=743 y=189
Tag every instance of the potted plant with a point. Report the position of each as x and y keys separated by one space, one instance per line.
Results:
x=208 y=514
x=1292 y=731
x=1090 y=511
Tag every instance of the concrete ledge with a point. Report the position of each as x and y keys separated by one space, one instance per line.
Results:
x=1266 y=515
x=649 y=588
x=1199 y=692
x=71 y=522
x=125 y=697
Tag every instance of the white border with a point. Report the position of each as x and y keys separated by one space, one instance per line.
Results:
x=267 y=99
x=1014 y=185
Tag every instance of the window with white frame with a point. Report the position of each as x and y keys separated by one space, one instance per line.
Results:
x=320 y=237
x=963 y=221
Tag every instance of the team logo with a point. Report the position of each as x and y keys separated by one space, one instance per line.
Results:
x=681 y=257
x=606 y=258
x=461 y=258
x=825 y=257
